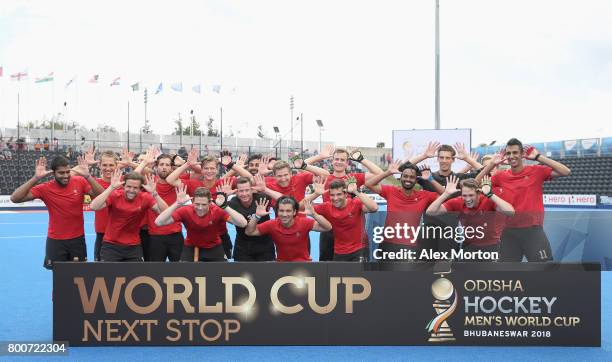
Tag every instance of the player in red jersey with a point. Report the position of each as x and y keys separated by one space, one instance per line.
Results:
x=204 y=221
x=340 y=162
x=345 y=214
x=478 y=208
x=405 y=206
x=524 y=234
x=289 y=230
x=126 y=208
x=63 y=197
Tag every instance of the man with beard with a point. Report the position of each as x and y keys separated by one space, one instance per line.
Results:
x=524 y=234
x=63 y=197
x=289 y=231
x=346 y=215
x=340 y=162
x=477 y=207
x=126 y=207
x=252 y=248
x=405 y=206
x=164 y=242
x=204 y=221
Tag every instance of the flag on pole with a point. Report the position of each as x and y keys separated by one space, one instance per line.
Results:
x=177 y=87
x=135 y=87
x=116 y=81
x=1 y=71
x=197 y=88
x=216 y=88
x=48 y=78
x=19 y=76
x=160 y=87
x=94 y=79
x=234 y=90
x=70 y=82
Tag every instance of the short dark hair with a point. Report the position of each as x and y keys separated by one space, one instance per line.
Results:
x=341 y=150
x=243 y=180
x=256 y=156
x=162 y=156
x=447 y=148
x=515 y=142
x=134 y=176
x=273 y=159
x=202 y=192
x=59 y=161
x=470 y=183
x=337 y=184
x=409 y=165
x=279 y=166
x=287 y=200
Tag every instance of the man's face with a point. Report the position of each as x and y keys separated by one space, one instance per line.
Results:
x=408 y=179
x=470 y=197
x=514 y=155
x=286 y=214
x=164 y=168
x=131 y=189
x=201 y=205
x=62 y=175
x=445 y=160
x=283 y=176
x=108 y=165
x=340 y=162
x=337 y=197
x=244 y=193
x=209 y=170
x=253 y=166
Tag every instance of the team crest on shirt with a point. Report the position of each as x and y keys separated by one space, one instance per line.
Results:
x=297 y=234
x=74 y=191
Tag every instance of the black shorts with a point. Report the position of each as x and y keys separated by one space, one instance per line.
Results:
x=326 y=246
x=64 y=250
x=145 y=240
x=165 y=246
x=360 y=255
x=98 y=245
x=530 y=242
x=216 y=253
x=116 y=252
x=254 y=251
x=226 y=241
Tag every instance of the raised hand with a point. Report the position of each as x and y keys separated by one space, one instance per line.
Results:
x=155 y=152
x=425 y=171
x=226 y=158
x=351 y=185
x=486 y=185
x=181 y=194
x=242 y=160
x=82 y=169
x=116 y=179
x=327 y=151
x=259 y=183
x=475 y=156
x=297 y=162
x=432 y=148
x=89 y=157
x=530 y=152
x=356 y=155
x=150 y=183
x=192 y=157
x=263 y=165
x=451 y=185
x=41 y=168
x=226 y=186
x=394 y=166
x=262 y=207
x=462 y=154
x=318 y=184
x=500 y=157
x=308 y=209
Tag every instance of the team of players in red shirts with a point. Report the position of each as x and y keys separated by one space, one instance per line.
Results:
x=140 y=215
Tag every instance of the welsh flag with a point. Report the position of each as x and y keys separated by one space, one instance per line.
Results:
x=116 y=81
x=48 y=78
x=19 y=76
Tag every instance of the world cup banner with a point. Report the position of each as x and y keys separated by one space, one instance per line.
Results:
x=210 y=304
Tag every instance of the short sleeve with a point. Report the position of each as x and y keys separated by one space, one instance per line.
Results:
x=360 y=177
x=266 y=227
x=308 y=223
x=431 y=196
x=150 y=201
x=39 y=190
x=495 y=179
x=453 y=204
x=85 y=186
x=322 y=209
x=544 y=172
x=178 y=214
x=305 y=177
x=385 y=191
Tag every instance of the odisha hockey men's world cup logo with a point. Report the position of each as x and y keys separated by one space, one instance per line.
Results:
x=442 y=290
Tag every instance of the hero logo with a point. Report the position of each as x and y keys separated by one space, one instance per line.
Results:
x=567 y=200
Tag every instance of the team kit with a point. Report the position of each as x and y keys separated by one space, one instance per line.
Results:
x=489 y=211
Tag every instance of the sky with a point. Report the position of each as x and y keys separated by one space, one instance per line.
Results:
x=537 y=70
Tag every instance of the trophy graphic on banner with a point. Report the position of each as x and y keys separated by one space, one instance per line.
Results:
x=442 y=290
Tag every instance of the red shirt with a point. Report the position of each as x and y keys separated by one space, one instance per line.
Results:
x=204 y=231
x=193 y=184
x=101 y=215
x=405 y=210
x=359 y=177
x=484 y=216
x=526 y=187
x=296 y=188
x=65 y=205
x=168 y=193
x=124 y=217
x=347 y=225
x=291 y=243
